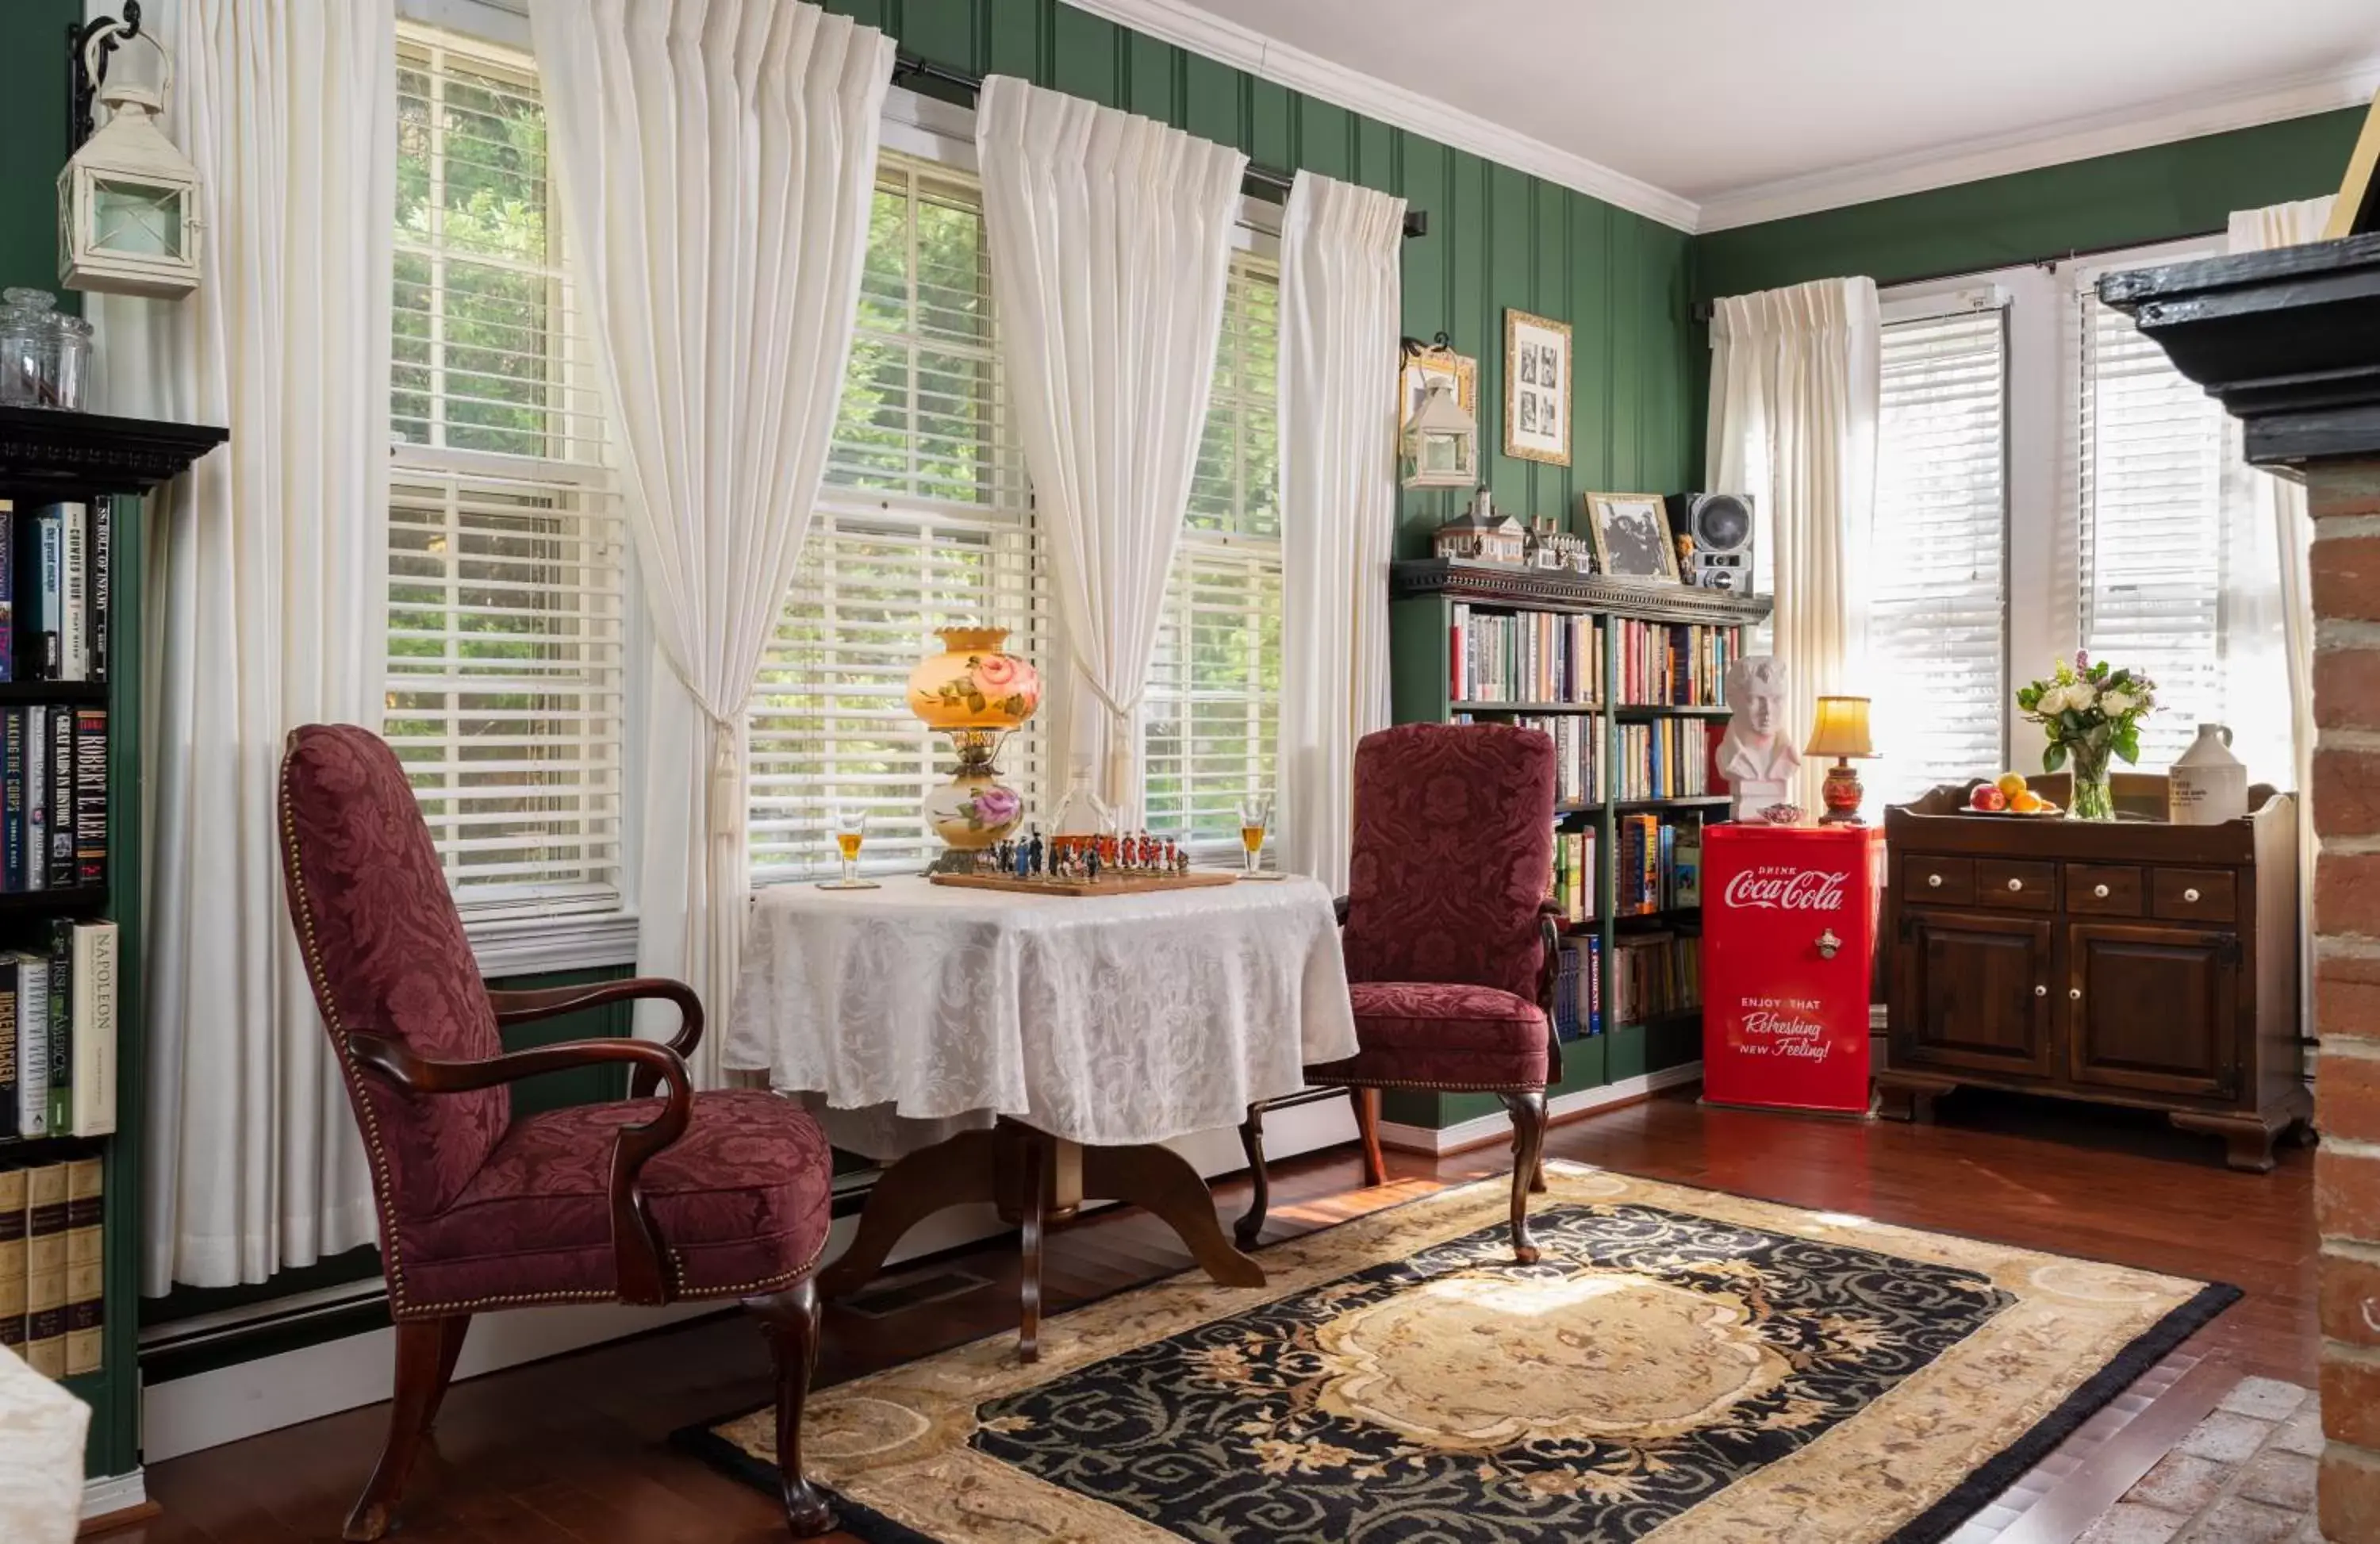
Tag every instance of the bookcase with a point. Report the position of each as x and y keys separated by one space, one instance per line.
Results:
x=50 y=457
x=1628 y=678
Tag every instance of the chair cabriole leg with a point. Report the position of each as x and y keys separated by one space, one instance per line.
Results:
x=1528 y=1141
x=790 y=1321
x=426 y=1349
x=1367 y=1126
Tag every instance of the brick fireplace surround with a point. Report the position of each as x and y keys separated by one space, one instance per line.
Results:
x=2289 y=341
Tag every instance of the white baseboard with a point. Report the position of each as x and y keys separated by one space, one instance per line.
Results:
x=208 y=1409
x=114 y=1493
x=1437 y=1141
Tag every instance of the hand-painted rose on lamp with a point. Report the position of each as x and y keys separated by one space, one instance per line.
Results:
x=976 y=692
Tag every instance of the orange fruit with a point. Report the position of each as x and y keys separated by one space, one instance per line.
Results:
x=2024 y=801
x=2011 y=784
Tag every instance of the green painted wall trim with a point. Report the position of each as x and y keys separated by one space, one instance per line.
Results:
x=2158 y=194
x=33 y=139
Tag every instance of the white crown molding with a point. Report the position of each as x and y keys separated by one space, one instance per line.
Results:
x=1205 y=33
x=2033 y=148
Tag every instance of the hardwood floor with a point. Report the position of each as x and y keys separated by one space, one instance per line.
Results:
x=573 y=1451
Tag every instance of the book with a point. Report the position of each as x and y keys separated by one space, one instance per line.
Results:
x=103 y=586
x=8 y=591
x=61 y=873
x=45 y=1270
x=85 y=1274
x=74 y=593
x=43 y=580
x=32 y=994
x=1686 y=871
x=37 y=797
x=12 y=1258
x=10 y=1123
x=90 y=833
x=96 y=946
x=12 y=798
x=61 y=968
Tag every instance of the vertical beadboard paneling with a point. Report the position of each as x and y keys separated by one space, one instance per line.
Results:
x=1273 y=128
x=1155 y=71
x=1015 y=38
x=1376 y=155
x=1509 y=253
x=944 y=29
x=1326 y=139
x=1549 y=290
x=1086 y=56
x=1211 y=107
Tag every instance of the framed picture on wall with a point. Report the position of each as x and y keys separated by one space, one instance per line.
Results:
x=1536 y=388
x=1631 y=533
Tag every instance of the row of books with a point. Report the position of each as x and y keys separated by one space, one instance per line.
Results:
x=53 y=1265
x=1674 y=664
x=1655 y=974
x=1665 y=759
x=1578 y=751
x=55 y=597
x=1529 y=656
x=1574 y=887
x=57 y=1034
x=1578 y=989
x=53 y=797
x=1658 y=865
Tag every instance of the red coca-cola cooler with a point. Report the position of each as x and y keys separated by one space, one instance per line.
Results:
x=1788 y=926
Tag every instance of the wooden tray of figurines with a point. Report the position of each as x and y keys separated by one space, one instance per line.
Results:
x=1069 y=866
x=1108 y=883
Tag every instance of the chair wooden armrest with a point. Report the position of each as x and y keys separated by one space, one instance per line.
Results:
x=1340 y=906
x=525 y=1007
x=633 y=1235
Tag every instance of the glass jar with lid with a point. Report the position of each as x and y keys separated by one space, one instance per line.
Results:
x=44 y=354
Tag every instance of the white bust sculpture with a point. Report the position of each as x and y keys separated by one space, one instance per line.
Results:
x=1756 y=757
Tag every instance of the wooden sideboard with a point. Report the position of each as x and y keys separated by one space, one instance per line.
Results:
x=2128 y=962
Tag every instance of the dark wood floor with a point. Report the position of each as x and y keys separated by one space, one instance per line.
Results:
x=573 y=1451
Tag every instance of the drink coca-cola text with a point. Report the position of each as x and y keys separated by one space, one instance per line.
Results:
x=1777 y=889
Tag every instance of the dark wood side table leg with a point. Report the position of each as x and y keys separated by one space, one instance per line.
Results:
x=1031 y=1202
x=949 y=1173
x=1251 y=1227
x=1157 y=1179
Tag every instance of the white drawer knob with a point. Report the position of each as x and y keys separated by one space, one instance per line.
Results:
x=2074 y=992
x=2191 y=895
x=2100 y=890
x=2041 y=991
x=2016 y=884
x=1934 y=881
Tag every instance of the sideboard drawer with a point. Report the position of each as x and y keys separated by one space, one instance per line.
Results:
x=1946 y=882
x=2016 y=886
x=2102 y=889
x=2194 y=895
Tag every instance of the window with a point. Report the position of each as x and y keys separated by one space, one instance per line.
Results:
x=1937 y=626
x=1209 y=720
x=924 y=521
x=506 y=551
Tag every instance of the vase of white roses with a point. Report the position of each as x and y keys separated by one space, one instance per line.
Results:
x=2090 y=712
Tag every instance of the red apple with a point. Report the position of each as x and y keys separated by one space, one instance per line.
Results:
x=1987 y=797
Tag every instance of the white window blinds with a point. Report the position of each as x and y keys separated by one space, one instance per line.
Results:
x=1209 y=719
x=506 y=587
x=924 y=523
x=2147 y=493
x=1937 y=634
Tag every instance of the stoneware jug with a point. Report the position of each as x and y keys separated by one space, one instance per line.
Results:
x=2208 y=784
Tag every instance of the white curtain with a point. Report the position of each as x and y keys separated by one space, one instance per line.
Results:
x=1111 y=242
x=265 y=609
x=2265 y=516
x=1340 y=300
x=1796 y=375
x=718 y=159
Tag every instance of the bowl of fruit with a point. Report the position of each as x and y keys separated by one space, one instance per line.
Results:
x=2008 y=794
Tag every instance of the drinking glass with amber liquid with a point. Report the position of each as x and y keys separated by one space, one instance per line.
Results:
x=1255 y=818
x=849 y=824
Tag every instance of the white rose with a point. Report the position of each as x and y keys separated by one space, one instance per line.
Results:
x=2052 y=702
x=2116 y=704
x=2079 y=698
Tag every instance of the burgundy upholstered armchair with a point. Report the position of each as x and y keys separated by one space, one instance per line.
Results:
x=1450 y=940
x=646 y=1200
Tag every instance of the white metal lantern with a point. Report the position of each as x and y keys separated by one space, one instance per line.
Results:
x=1442 y=441
x=128 y=199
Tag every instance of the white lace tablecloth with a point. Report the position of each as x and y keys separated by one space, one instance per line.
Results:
x=917 y=1010
x=41 y=1429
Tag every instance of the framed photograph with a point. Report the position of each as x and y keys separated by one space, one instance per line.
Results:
x=1536 y=388
x=1632 y=536
x=1414 y=380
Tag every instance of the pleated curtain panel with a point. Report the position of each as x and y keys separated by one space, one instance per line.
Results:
x=718 y=159
x=1342 y=297
x=1109 y=237
x=1796 y=374
x=268 y=583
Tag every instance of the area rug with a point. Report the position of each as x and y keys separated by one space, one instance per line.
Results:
x=1682 y=1364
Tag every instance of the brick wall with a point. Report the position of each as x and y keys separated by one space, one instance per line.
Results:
x=2345 y=809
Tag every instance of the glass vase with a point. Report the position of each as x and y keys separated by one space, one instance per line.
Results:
x=2092 y=800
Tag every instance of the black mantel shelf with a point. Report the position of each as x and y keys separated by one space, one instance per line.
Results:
x=45 y=449
x=1495 y=584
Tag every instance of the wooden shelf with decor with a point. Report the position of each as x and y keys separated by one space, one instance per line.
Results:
x=48 y=456
x=1441 y=605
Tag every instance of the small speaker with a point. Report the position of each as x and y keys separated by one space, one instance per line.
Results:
x=1720 y=525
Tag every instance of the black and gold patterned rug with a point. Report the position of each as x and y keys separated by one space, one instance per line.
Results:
x=1682 y=1366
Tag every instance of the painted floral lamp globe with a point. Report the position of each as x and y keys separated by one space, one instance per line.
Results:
x=976 y=692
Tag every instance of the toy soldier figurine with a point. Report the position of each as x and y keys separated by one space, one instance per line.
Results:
x=1091 y=866
x=1033 y=845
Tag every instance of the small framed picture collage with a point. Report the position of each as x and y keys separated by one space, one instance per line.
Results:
x=1536 y=388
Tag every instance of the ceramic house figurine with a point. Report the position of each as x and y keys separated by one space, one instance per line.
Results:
x=1483 y=534
x=1557 y=551
x=2208 y=784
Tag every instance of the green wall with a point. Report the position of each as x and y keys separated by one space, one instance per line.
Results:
x=1497 y=238
x=33 y=137
x=2159 y=194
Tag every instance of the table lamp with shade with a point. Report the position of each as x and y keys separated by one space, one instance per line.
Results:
x=1841 y=732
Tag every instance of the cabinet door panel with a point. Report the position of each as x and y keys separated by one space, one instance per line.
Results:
x=2153 y=1010
x=1974 y=995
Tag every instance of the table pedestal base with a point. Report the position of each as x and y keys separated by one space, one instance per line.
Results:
x=1036 y=1179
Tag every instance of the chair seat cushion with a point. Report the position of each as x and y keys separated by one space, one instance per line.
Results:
x=740 y=1201
x=1441 y=1035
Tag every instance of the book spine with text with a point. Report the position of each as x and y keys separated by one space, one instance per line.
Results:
x=45 y=1270
x=12 y=798
x=90 y=833
x=32 y=973
x=96 y=946
x=37 y=797
x=103 y=584
x=10 y=1125
x=12 y=1259
x=85 y=1277
x=74 y=593
x=8 y=591
x=61 y=962
x=61 y=874
x=46 y=584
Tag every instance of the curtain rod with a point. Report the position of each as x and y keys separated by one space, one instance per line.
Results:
x=1703 y=310
x=916 y=67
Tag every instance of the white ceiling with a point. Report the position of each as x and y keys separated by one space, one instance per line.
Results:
x=1749 y=108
